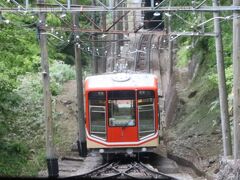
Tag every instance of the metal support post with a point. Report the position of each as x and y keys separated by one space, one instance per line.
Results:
x=68 y=4
x=52 y=161
x=226 y=132
x=82 y=145
x=104 y=25
x=94 y=43
x=236 y=80
x=26 y=4
x=152 y=3
x=170 y=43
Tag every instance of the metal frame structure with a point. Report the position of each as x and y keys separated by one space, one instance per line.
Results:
x=101 y=7
x=50 y=8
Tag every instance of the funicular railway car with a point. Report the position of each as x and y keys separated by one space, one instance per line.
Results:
x=122 y=113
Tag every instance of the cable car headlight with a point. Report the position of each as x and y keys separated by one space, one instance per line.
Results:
x=156 y=14
x=101 y=150
x=129 y=151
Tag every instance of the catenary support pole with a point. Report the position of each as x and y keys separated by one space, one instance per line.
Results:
x=52 y=161
x=94 y=43
x=119 y=28
x=94 y=55
x=226 y=132
x=114 y=37
x=104 y=44
x=170 y=44
x=26 y=4
x=126 y=20
x=236 y=80
x=82 y=146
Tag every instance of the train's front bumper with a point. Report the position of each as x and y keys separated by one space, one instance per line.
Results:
x=123 y=147
x=129 y=150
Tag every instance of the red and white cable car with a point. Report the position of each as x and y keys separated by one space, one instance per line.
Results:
x=122 y=112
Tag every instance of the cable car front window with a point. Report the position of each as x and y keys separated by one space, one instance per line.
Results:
x=146 y=113
x=121 y=108
x=97 y=114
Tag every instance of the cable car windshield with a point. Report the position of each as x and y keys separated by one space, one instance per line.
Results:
x=121 y=108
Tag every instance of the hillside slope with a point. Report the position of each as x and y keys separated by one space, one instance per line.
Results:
x=194 y=138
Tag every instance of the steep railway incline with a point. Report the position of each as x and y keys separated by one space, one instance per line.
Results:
x=143 y=53
x=92 y=166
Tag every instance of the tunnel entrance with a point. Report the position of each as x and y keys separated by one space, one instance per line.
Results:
x=153 y=20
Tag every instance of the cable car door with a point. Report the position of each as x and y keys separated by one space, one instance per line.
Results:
x=122 y=126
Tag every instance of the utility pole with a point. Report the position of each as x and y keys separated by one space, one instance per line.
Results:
x=226 y=132
x=170 y=44
x=117 y=36
x=126 y=20
x=104 y=25
x=114 y=46
x=94 y=38
x=152 y=3
x=120 y=28
x=82 y=146
x=94 y=59
x=52 y=161
x=26 y=4
x=236 y=80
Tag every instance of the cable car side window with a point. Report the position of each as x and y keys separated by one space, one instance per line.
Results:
x=121 y=108
x=97 y=114
x=146 y=113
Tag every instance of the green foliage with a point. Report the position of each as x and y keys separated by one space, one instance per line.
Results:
x=18 y=55
x=24 y=123
x=62 y=72
x=229 y=78
x=183 y=55
x=21 y=111
x=21 y=98
x=16 y=154
x=53 y=20
x=227 y=53
x=214 y=105
x=22 y=129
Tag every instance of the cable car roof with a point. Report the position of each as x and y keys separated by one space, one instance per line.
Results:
x=116 y=81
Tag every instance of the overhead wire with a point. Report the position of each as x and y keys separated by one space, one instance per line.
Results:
x=63 y=20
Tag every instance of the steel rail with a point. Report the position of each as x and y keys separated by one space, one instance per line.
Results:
x=149 y=52
x=145 y=40
x=157 y=172
x=90 y=172
x=124 y=173
x=110 y=170
x=137 y=55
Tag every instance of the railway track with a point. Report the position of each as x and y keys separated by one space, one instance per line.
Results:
x=133 y=170
x=142 y=62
